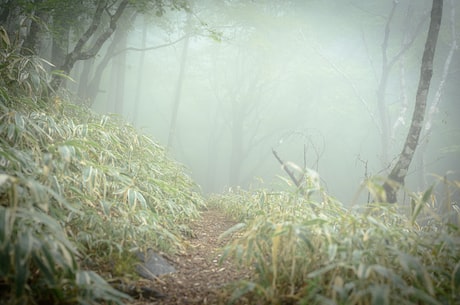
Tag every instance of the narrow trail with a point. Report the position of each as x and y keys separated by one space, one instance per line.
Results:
x=199 y=274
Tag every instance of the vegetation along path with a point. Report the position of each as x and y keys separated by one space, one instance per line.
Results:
x=200 y=275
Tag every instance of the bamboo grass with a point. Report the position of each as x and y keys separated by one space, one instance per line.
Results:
x=78 y=190
x=305 y=252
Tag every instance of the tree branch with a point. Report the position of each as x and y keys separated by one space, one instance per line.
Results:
x=150 y=48
x=77 y=53
x=286 y=169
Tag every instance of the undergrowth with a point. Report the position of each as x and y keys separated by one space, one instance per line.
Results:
x=77 y=182
x=77 y=191
x=305 y=251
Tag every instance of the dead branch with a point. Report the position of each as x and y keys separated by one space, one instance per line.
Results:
x=286 y=169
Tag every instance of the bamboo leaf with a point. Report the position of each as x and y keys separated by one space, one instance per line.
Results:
x=332 y=251
x=455 y=281
x=6 y=221
x=131 y=197
x=21 y=254
x=321 y=271
x=230 y=231
x=244 y=288
x=380 y=295
x=44 y=268
x=19 y=121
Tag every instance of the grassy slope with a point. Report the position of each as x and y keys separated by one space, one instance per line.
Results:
x=318 y=252
x=79 y=189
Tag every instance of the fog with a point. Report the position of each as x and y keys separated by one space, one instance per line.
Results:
x=298 y=77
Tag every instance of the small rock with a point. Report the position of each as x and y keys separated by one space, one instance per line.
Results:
x=152 y=265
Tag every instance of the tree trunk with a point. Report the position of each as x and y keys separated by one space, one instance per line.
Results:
x=60 y=46
x=84 y=83
x=140 y=71
x=31 y=44
x=236 y=157
x=117 y=82
x=434 y=108
x=180 y=82
x=398 y=174
x=120 y=78
x=93 y=83
x=81 y=51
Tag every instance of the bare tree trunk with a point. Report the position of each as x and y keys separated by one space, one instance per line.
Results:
x=237 y=154
x=84 y=81
x=214 y=150
x=180 y=82
x=140 y=71
x=32 y=41
x=398 y=173
x=117 y=82
x=434 y=108
x=92 y=84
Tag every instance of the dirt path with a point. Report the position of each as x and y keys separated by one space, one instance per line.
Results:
x=199 y=275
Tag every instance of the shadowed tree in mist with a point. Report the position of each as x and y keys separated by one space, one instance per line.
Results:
x=243 y=93
x=179 y=84
x=93 y=23
x=393 y=104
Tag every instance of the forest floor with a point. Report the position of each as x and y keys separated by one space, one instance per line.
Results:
x=200 y=274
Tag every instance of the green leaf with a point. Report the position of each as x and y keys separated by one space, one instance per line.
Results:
x=418 y=204
x=422 y=296
x=131 y=198
x=19 y=121
x=244 y=288
x=380 y=295
x=21 y=259
x=411 y=265
x=455 y=282
x=44 y=267
x=389 y=274
x=6 y=221
x=332 y=251
x=427 y=194
x=141 y=199
x=106 y=207
x=322 y=270
x=11 y=131
x=233 y=229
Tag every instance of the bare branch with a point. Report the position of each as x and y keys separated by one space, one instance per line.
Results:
x=286 y=169
x=152 y=47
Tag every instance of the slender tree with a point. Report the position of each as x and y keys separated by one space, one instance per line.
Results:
x=438 y=96
x=179 y=85
x=388 y=63
x=139 y=77
x=84 y=48
x=398 y=173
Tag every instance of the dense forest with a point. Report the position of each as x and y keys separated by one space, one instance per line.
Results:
x=326 y=131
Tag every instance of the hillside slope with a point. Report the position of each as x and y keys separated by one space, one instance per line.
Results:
x=82 y=191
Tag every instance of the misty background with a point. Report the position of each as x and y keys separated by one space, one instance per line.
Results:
x=329 y=85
